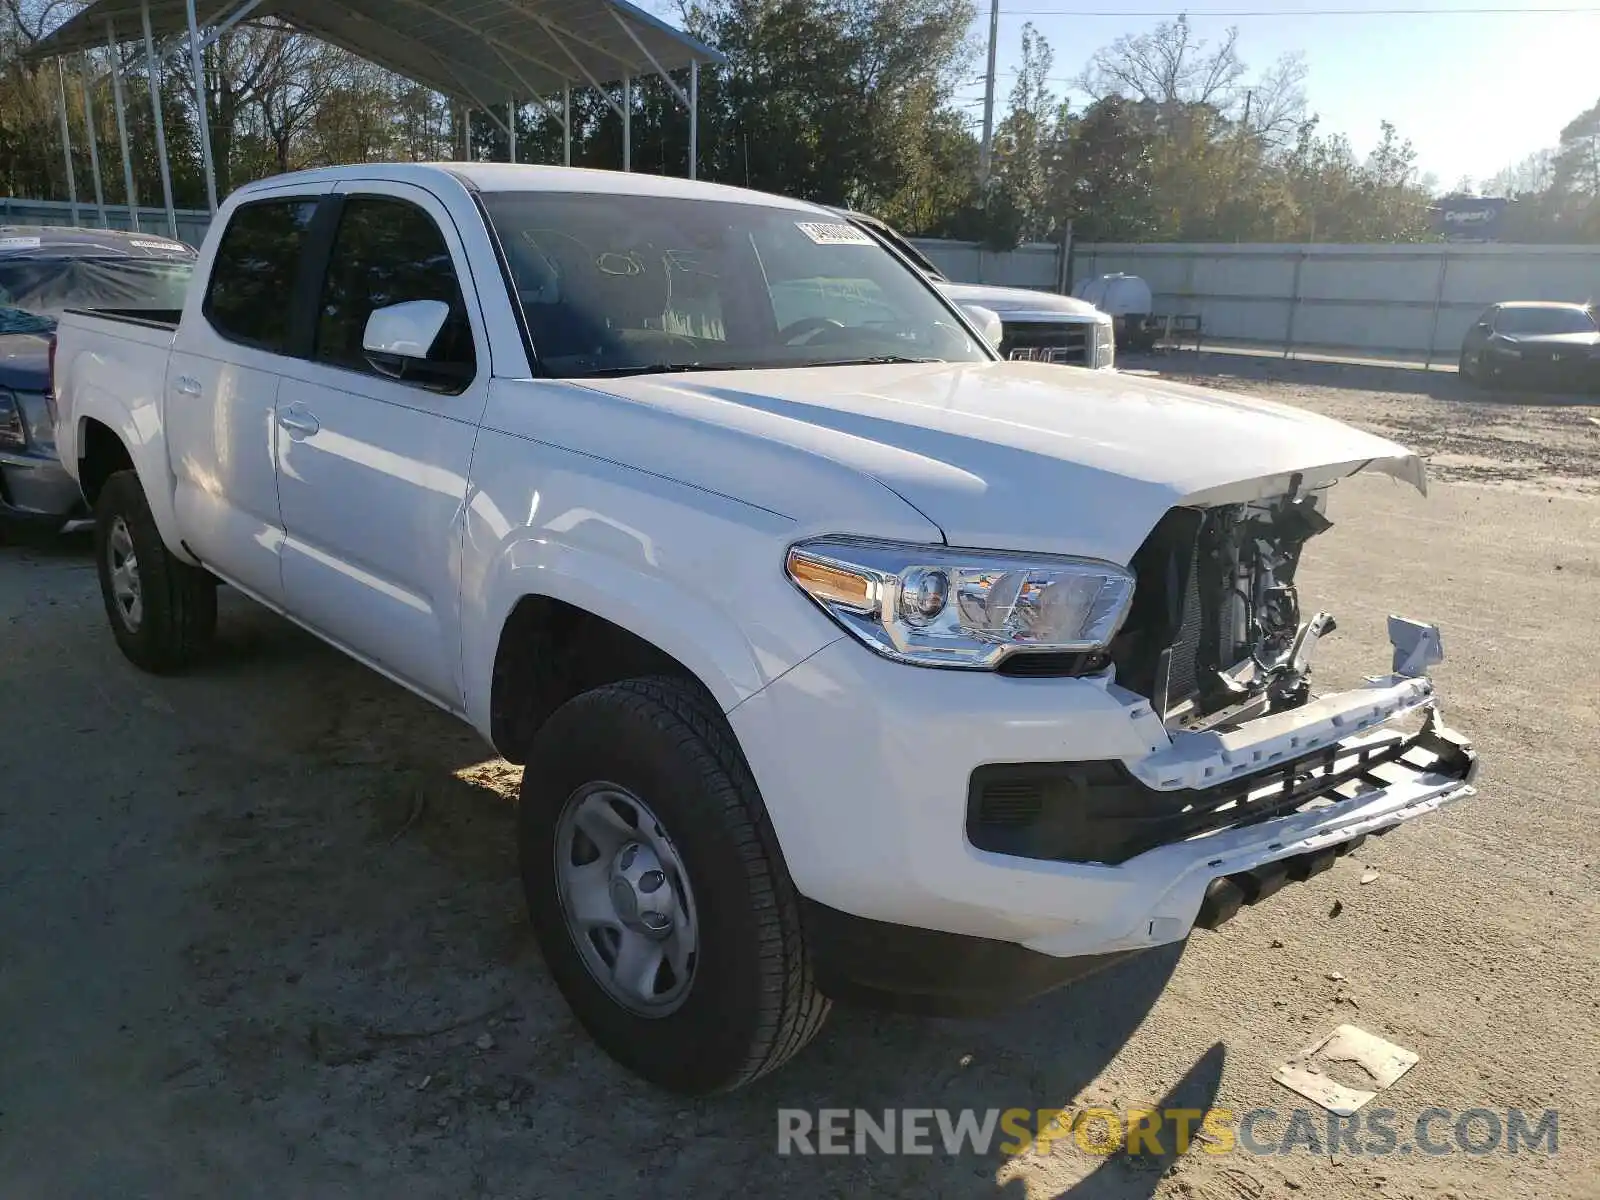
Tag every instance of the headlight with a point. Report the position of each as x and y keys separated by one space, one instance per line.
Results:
x=939 y=607
x=1105 y=346
x=11 y=434
x=39 y=415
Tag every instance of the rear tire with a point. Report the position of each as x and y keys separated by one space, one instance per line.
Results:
x=163 y=612
x=732 y=996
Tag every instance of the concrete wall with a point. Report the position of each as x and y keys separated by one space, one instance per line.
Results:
x=1411 y=300
x=1031 y=265
x=192 y=223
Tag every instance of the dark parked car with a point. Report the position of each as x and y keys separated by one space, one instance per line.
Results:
x=1533 y=343
x=43 y=272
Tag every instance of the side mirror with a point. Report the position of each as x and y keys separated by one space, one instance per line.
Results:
x=401 y=335
x=988 y=323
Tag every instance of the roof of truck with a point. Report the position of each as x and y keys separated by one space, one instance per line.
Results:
x=516 y=177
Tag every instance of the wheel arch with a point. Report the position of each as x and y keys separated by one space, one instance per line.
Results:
x=107 y=439
x=551 y=650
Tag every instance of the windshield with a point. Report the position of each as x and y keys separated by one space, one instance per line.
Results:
x=1544 y=320
x=40 y=289
x=623 y=284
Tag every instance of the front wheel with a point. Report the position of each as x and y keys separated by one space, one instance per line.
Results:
x=163 y=611
x=657 y=892
x=1471 y=370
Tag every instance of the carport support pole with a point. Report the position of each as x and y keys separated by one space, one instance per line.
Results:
x=1438 y=303
x=511 y=127
x=66 y=140
x=627 y=122
x=1294 y=304
x=694 y=119
x=94 y=150
x=153 y=74
x=566 y=124
x=122 y=124
x=197 y=63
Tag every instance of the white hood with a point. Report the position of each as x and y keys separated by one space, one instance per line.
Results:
x=998 y=455
x=1022 y=303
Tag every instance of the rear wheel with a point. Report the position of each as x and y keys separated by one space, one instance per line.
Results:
x=163 y=611
x=657 y=892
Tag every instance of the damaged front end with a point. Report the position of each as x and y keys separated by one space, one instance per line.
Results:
x=1250 y=780
x=1216 y=634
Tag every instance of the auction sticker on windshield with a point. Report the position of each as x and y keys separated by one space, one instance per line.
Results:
x=825 y=234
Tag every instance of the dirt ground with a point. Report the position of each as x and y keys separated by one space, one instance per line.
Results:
x=261 y=935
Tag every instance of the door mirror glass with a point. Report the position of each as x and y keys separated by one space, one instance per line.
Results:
x=987 y=321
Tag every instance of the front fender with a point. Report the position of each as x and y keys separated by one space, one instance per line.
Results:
x=697 y=575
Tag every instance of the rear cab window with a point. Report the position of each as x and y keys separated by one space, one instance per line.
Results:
x=252 y=285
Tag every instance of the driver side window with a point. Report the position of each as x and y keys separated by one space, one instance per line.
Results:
x=387 y=252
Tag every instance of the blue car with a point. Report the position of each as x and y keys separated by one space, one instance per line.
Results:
x=43 y=272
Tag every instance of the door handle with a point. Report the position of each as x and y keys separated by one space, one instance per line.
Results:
x=298 y=422
x=186 y=385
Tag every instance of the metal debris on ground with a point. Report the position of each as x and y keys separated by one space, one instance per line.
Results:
x=1383 y=1061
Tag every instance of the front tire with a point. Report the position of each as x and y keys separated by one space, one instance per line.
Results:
x=657 y=891
x=163 y=612
x=1471 y=371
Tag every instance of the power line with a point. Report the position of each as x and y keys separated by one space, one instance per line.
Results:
x=1297 y=13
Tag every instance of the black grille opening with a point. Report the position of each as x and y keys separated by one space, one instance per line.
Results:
x=1052 y=665
x=1010 y=803
x=1098 y=811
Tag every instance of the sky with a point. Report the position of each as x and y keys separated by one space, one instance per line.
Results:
x=1474 y=91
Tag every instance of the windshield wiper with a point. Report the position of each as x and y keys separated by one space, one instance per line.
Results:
x=877 y=360
x=662 y=368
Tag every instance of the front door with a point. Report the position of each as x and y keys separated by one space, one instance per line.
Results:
x=372 y=470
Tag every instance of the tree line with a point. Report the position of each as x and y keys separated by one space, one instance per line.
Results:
x=850 y=102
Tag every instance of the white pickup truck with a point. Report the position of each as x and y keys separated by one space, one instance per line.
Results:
x=846 y=660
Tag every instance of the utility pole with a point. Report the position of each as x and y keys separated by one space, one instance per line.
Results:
x=986 y=147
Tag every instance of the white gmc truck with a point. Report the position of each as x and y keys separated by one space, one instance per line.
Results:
x=846 y=660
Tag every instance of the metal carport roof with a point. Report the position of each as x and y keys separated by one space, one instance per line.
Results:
x=479 y=51
x=482 y=53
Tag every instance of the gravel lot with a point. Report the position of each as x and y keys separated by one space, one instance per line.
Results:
x=260 y=932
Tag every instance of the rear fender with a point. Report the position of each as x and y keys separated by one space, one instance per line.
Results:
x=140 y=431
